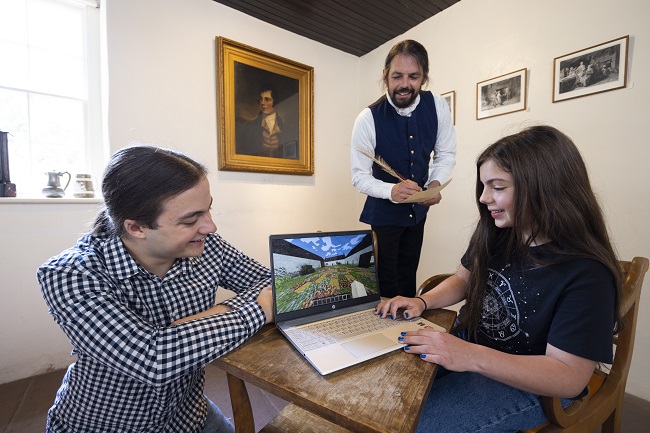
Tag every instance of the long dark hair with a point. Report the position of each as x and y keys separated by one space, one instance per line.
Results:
x=413 y=49
x=137 y=182
x=553 y=200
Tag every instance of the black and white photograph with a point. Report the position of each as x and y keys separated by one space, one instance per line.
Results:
x=450 y=97
x=595 y=69
x=501 y=95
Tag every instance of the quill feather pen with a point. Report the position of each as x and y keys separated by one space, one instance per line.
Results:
x=382 y=164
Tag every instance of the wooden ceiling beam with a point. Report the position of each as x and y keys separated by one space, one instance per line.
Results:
x=352 y=26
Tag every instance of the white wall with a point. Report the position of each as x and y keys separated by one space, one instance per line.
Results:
x=30 y=342
x=162 y=90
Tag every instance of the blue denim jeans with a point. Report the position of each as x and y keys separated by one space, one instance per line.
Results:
x=470 y=402
x=216 y=422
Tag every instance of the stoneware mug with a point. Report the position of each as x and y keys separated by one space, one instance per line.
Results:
x=84 y=186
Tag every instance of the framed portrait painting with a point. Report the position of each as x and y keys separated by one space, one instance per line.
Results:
x=450 y=97
x=264 y=111
x=596 y=69
x=501 y=95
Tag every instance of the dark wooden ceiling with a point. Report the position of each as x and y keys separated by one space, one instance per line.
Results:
x=353 y=26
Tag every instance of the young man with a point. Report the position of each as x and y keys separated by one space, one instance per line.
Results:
x=136 y=299
x=411 y=130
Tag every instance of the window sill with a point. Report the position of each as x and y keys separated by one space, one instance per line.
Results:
x=43 y=200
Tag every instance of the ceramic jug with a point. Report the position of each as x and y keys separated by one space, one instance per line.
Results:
x=53 y=188
x=84 y=186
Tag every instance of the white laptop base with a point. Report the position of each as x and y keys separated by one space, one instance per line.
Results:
x=346 y=352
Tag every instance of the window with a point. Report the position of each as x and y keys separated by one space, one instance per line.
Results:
x=50 y=90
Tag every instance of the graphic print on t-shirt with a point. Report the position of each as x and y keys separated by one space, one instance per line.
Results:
x=500 y=317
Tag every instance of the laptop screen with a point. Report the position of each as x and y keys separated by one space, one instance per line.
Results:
x=318 y=272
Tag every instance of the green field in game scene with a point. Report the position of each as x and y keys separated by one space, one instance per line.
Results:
x=296 y=292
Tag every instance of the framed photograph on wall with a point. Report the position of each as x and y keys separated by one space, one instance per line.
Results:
x=450 y=97
x=264 y=111
x=596 y=69
x=501 y=95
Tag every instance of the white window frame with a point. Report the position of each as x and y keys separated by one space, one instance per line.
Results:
x=96 y=145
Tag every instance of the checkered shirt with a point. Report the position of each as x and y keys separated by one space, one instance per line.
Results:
x=134 y=372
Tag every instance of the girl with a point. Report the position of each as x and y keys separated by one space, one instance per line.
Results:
x=541 y=284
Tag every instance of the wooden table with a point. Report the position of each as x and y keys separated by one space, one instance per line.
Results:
x=383 y=395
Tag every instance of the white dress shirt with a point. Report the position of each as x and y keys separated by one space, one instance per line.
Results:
x=364 y=137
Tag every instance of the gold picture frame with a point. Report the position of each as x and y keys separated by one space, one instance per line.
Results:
x=254 y=136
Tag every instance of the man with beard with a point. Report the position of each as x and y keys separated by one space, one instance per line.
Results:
x=411 y=130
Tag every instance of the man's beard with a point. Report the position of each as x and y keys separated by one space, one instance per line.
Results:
x=403 y=103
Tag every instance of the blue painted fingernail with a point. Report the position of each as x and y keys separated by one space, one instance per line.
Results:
x=407 y=347
x=423 y=356
x=406 y=315
x=400 y=338
x=392 y=316
x=403 y=333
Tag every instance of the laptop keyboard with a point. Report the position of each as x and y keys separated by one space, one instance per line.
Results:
x=338 y=329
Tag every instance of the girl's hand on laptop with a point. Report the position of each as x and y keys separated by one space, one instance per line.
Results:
x=409 y=307
x=447 y=350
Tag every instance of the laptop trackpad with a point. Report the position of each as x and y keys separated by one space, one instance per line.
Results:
x=369 y=344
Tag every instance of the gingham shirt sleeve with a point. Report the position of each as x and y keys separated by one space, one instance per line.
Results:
x=242 y=275
x=93 y=309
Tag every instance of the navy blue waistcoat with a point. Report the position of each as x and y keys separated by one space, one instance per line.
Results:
x=406 y=144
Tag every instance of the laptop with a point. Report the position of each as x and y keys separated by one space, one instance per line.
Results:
x=320 y=279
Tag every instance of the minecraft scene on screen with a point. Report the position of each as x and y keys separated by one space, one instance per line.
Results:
x=314 y=271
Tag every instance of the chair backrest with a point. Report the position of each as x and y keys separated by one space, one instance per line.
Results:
x=603 y=407
x=634 y=273
x=431 y=282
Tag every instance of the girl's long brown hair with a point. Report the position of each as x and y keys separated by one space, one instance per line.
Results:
x=553 y=200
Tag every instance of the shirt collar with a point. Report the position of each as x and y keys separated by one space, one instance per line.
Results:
x=118 y=260
x=404 y=111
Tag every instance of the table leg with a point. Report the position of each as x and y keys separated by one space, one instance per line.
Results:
x=241 y=405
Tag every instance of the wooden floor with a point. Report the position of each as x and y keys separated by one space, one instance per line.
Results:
x=24 y=403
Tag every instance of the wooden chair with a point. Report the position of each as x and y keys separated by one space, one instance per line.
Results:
x=604 y=403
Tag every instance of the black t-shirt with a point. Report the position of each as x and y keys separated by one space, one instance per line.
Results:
x=570 y=305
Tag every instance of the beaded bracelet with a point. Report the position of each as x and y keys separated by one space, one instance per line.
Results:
x=426 y=307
